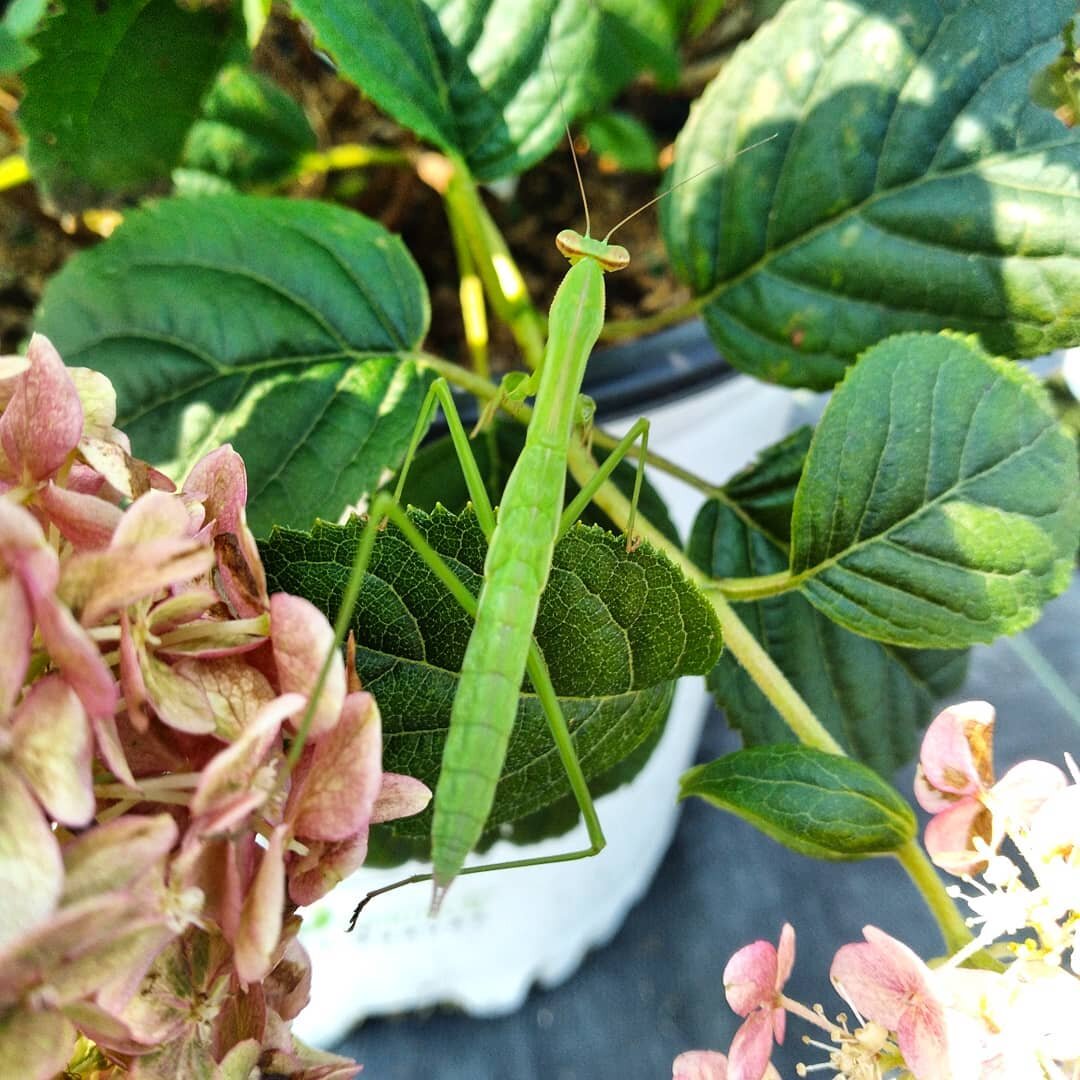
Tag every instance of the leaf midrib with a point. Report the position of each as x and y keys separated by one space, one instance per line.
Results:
x=833 y=560
x=774 y=254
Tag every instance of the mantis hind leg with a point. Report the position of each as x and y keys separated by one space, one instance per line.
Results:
x=639 y=430
x=385 y=506
x=560 y=732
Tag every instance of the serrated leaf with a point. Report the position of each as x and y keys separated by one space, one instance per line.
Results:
x=436 y=477
x=286 y=328
x=917 y=190
x=115 y=90
x=939 y=505
x=483 y=79
x=250 y=132
x=615 y=629
x=873 y=698
x=817 y=804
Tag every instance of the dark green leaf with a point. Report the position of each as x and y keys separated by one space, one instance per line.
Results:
x=910 y=184
x=251 y=131
x=636 y=36
x=621 y=141
x=483 y=79
x=286 y=328
x=817 y=804
x=615 y=629
x=20 y=20
x=117 y=87
x=939 y=505
x=436 y=477
x=873 y=698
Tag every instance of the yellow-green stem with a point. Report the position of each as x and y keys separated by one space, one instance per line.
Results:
x=13 y=171
x=921 y=871
x=773 y=683
x=503 y=283
x=623 y=329
x=350 y=156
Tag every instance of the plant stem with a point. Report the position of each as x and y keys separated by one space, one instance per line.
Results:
x=622 y=329
x=772 y=682
x=503 y=283
x=350 y=156
x=925 y=878
x=13 y=171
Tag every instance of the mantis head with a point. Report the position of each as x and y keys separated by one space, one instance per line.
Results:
x=577 y=247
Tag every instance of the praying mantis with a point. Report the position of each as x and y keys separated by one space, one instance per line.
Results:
x=521 y=539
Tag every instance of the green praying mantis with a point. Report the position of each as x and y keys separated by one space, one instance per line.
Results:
x=521 y=539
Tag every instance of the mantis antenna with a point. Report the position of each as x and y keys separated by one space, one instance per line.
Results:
x=675 y=187
x=570 y=138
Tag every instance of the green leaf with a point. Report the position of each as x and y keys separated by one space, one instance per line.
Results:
x=286 y=328
x=621 y=141
x=20 y=20
x=635 y=36
x=615 y=629
x=117 y=87
x=251 y=131
x=939 y=505
x=484 y=79
x=436 y=477
x=872 y=698
x=821 y=805
x=909 y=184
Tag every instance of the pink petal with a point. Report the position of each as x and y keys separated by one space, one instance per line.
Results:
x=234 y=689
x=750 y=977
x=400 y=796
x=31 y=870
x=113 y=464
x=44 y=418
x=18 y=624
x=157 y=515
x=700 y=1065
x=950 y=835
x=35 y=1045
x=785 y=955
x=883 y=979
x=260 y=919
x=111 y=748
x=288 y=986
x=103 y=582
x=85 y=520
x=226 y=791
x=957 y=751
x=178 y=701
x=98 y=400
x=116 y=854
x=219 y=481
x=1020 y=793
x=302 y=638
x=334 y=797
x=51 y=746
x=102 y=1027
x=324 y=867
x=76 y=655
x=748 y=1057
